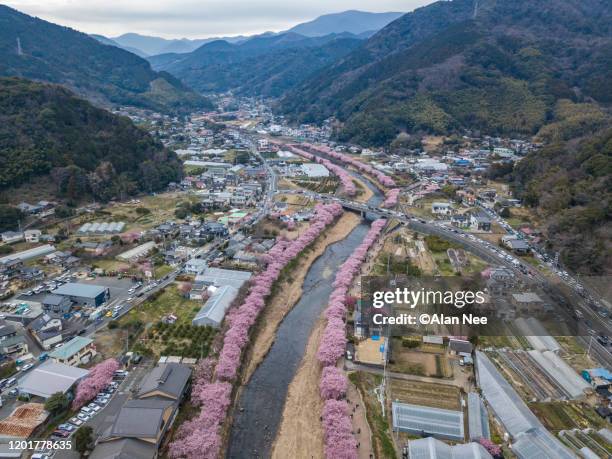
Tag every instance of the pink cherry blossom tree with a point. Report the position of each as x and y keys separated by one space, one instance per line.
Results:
x=391 y=197
x=493 y=449
x=337 y=428
x=97 y=379
x=339 y=440
x=382 y=178
x=333 y=383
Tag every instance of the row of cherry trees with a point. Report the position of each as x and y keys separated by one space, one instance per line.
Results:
x=339 y=440
x=342 y=174
x=391 y=197
x=347 y=159
x=98 y=378
x=201 y=437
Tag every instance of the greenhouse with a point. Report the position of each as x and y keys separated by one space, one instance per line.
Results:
x=478 y=418
x=430 y=448
x=425 y=420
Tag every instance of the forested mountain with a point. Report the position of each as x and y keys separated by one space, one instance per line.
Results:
x=45 y=130
x=265 y=65
x=38 y=50
x=355 y=22
x=570 y=185
x=498 y=66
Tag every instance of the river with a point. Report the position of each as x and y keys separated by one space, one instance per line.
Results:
x=260 y=407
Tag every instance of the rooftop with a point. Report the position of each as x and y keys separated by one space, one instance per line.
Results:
x=424 y=419
x=141 y=418
x=168 y=379
x=49 y=378
x=80 y=290
x=216 y=306
x=23 y=420
x=70 y=348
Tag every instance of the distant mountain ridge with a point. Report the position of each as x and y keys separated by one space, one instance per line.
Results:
x=151 y=46
x=39 y=50
x=360 y=23
x=266 y=65
x=490 y=65
x=352 y=21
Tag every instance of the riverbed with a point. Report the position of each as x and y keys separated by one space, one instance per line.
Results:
x=260 y=407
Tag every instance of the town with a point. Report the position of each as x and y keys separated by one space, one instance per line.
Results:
x=111 y=309
x=297 y=230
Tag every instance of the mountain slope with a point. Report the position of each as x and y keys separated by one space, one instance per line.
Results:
x=498 y=67
x=45 y=131
x=569 y=184
x=355 y=22
x=265 y=65
x=36 y=49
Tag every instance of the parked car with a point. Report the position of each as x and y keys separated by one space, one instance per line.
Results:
x=93 y=407
x=26 y=367
x=83 y=417
x=76 y=422
x=66 y=427
x=60 y=433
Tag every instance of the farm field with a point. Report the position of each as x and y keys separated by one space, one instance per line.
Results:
x=426 y=394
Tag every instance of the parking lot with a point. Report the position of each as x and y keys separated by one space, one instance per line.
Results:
x=102 y=420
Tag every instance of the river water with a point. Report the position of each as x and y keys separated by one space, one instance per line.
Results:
x=260 y=407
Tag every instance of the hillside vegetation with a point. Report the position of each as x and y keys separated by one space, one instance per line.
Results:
x=39 y=50
x=47 y=131
x=569 y=184
x=262 y=66
x=495 y=66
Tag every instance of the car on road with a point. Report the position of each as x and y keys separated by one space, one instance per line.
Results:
x=27 y=366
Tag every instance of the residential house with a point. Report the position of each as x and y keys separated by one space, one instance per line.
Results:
x=32 y=235
x=79 y=350
x=480 y=221
x=441 y=208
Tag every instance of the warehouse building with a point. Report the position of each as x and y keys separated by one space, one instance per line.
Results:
x=50 y=378
x=425 y=420
x=213 y=311
x=83 y=294
x=221 y=277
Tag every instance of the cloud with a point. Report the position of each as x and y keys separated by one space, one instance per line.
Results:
x=191 y=18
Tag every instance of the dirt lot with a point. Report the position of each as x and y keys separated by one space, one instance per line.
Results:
x=420 y=363
x=426 y=394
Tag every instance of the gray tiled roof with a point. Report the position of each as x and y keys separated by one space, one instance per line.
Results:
x=169 y=378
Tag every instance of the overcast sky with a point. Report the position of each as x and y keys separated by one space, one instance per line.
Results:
x=194 y=18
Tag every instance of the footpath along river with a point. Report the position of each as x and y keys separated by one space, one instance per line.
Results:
x=260 y=407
